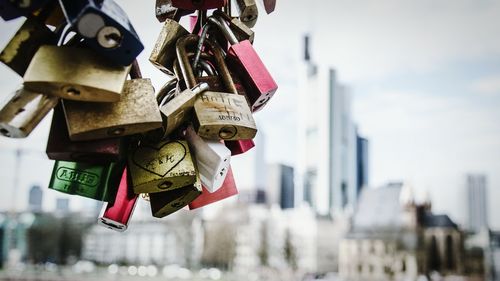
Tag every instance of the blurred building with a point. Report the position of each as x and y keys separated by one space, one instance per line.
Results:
x=35 y=199
x=280 y=186
x=477 y=202
x=327 y=162
x=361 y=163
x=62 y=205
x=395 y=238
x=176 y=239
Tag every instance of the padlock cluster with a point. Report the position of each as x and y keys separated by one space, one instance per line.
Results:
x=114 y=139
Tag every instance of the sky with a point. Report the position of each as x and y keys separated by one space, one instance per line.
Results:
x=424 y=75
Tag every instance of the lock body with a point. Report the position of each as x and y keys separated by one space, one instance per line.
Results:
x=136 y=112
x=223 y=116
x=269 y=5
x=75 y=74
x=227 y=189
x=116 y=215
x=260 y=85
x=23 y=111
x=168 y=202
x=199 y=4
x=18 y=53
x=163 y=54
x=239 y=146
x=12 y=9
x=106 y=27
x=60 y=147
x=164 y=10
x=163 y=166
x=212 y=159
x=93 y=181
x=248 y=12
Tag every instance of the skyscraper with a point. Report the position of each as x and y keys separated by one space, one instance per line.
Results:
x=478 y=207
x=326 y=169
x=280 y=186
x=35 y=199
x=361 y=163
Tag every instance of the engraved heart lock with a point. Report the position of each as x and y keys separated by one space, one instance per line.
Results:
x=161 y=167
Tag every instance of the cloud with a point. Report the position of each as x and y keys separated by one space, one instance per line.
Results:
x=489 y=85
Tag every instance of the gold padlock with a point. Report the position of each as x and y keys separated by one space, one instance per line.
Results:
x=24 y=110
x=163 y=54
x=18 y=53
x=163 y=166
x=218 y=115
x=248 y=12
x=168 y=202
x=76 y=74
x=136 y=112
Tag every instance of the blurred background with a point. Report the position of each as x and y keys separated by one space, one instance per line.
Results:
x=377 y=159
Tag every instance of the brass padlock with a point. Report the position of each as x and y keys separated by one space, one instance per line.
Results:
x=218 y=115
x=136 y=112
x=163 y=54
x=18 y=53
x=248 y=12
x=23 y=111
x=241 y=31
x=165 y=203
x=162 y=166
x=76 y=74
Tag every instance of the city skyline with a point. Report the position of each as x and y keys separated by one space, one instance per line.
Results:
x=410 y=88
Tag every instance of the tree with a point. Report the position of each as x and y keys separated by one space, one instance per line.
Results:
x=289 y=251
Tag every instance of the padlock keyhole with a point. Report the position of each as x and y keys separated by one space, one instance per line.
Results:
x=165 y=185
x=116 y=131
x=4 y=132
x=72 y=92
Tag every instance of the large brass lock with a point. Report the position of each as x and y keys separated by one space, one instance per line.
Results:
x=163 y=54
x=136 y=112
x=218 y=115
x=163 y=166
x=75 y=74
x=23 y=111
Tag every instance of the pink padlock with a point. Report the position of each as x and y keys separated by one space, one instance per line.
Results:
x=228 y=189
x=239 y=146
x=243 y=58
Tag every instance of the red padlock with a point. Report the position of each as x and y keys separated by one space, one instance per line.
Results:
x=60 y=147
x=198 y=4
x=227 y=189
x=117 y=215
x=239 y=146
x=243 y=58
x=269 y=5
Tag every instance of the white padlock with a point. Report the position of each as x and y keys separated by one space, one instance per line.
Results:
x=212 y=158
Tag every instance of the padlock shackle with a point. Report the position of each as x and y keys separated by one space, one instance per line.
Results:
x=135 y=70
x=164 y=92
x=187 y=70
x=224 y=28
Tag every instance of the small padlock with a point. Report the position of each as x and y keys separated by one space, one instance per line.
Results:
x=162 y=166
x=75 y=74
x=136 y=112
x=116 y=215
x=242 y=57
x=106 y=27
x=212 y=159
x=18 y=53
x=199 y=4
x=218 y=115
x=12 y=9
x=88 y=180
x=168 y=202
x=239 y=146
x=227 y=189
x=164 y=10
x=241 y=31
x=179 y=109
x=248 y=12
x=60 y=147
x=163 y=54
x=23 y=111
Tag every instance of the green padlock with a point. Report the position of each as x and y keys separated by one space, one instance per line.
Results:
x=98 y=182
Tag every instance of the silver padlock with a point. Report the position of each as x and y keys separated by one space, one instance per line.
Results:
x=212 y=158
